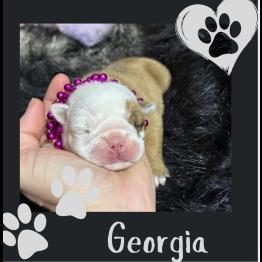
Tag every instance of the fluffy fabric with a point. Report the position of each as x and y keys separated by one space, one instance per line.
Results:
x=197 y=119
x=197 y=139
x=87 y=34
x=45 y=51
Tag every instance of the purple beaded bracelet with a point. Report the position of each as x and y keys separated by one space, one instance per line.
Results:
x=55 y=129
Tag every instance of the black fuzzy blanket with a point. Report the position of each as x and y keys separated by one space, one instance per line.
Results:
x=197 y=119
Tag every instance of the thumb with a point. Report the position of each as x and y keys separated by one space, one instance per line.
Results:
x=33 y=120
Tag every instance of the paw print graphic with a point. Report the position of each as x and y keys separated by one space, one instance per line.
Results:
x=78 y=194
x=220 y=37
x=28 y=241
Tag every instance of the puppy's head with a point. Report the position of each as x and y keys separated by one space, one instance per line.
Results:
x=104 y=123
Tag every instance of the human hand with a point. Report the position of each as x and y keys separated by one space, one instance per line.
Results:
x=40 y=163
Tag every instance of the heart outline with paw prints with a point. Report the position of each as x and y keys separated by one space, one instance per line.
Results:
x=218 y=36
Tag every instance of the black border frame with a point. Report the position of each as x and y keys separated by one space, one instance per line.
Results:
x=229 y=236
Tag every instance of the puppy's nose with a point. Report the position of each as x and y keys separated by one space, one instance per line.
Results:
x=116 y=142
x=116 y=146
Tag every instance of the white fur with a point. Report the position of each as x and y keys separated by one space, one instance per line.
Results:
x=92 y=111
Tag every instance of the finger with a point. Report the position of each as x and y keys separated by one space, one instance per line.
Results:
x=33 y=120
x=56 y=85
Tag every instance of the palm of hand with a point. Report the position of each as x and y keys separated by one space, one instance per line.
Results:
x=40 y=163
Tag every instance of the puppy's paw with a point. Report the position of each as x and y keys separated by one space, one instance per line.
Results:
x=161 y=180
x=167 y=174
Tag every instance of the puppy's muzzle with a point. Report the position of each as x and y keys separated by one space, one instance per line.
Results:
x=116 y=150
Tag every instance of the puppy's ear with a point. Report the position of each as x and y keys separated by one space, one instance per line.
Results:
x=59 y=112
x=148 y=107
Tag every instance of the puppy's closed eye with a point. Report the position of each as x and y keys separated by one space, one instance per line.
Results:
x=80 y=131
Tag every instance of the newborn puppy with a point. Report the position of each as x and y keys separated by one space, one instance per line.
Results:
x=106 y=125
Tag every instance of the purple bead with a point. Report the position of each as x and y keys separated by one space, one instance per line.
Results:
x=77 y=81
x=55 y=122
x=53 y=131
x=50 y=125
x=68 y=87
x=114 y=80
x=146 y=123
x=59 y=130
x=51 y=136
x=103 y=78
x=65 y=97
x=140 y=100
x=50 y=115
x=95 y=77
x=58 y=144
x=60 y=95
